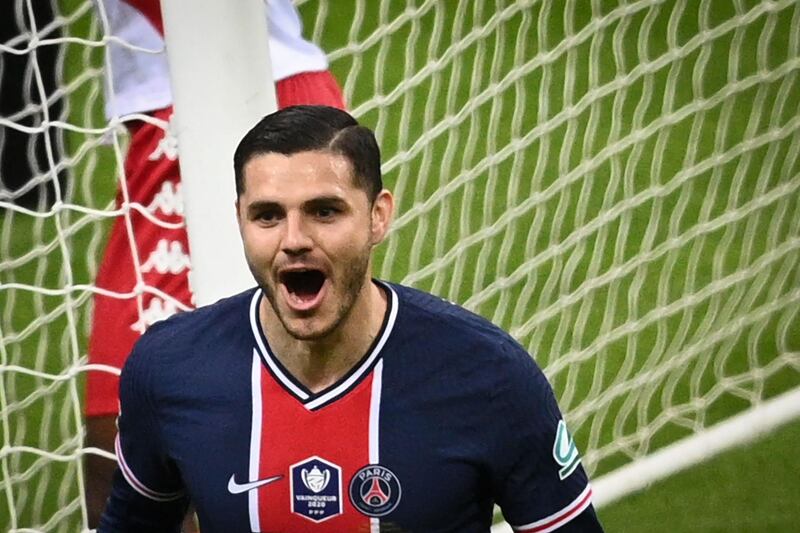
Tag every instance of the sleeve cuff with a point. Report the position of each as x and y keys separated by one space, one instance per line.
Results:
x=137 y=485
x=559 y=518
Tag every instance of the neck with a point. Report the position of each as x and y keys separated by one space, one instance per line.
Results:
x=319 y=363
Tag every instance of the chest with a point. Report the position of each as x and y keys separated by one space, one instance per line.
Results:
x=254 y=458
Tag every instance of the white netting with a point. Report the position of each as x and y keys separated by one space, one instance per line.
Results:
x=615 y=182
x=61 y=162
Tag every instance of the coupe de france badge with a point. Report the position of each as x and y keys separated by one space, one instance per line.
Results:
x=375 y=490
x=565 y=452
x=316 y=489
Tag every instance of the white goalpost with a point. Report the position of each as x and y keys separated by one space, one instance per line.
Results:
x=209 y=74
x=56 y=208
x=616 y=183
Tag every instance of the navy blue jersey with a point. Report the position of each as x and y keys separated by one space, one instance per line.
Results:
x=443 y=417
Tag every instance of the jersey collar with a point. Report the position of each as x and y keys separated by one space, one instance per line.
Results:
x=311 y=400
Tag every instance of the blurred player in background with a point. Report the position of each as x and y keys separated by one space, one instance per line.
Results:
x=139 y=83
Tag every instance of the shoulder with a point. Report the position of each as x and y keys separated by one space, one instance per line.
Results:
x=186 y=344
x=182 y=333
x=196 y=322
x=441 y=350
x=437 y=325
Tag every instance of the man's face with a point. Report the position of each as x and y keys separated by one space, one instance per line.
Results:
x=308 y=233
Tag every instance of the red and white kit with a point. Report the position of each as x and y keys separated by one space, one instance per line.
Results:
x=156 y=246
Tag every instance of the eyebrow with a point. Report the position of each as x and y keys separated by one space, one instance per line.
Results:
x=262 y=205
x=266 y=205
x=333 y=200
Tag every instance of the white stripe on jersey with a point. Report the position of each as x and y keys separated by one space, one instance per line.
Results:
x=374 y=428
x=137 y=485
x=559 y=518
x=255 y=440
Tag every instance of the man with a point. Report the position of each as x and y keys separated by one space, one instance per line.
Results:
x=139 y=84
x=326 y=400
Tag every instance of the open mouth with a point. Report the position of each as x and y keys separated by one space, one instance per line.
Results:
x=303 y=287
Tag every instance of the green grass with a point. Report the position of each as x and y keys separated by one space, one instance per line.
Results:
x=556 y=207
x=749 y=489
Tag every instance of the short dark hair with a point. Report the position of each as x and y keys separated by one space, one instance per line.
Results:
x=310 y=127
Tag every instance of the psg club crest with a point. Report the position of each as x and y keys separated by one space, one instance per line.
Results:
x=316 y=489
x=375 y=490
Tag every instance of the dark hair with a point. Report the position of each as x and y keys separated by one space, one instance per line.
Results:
x=308 y=128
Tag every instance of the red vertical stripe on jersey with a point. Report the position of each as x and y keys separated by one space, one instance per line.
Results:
x=337 y=433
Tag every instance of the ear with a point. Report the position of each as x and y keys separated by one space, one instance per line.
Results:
x=382 y=211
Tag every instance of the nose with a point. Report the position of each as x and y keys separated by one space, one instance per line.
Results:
x=296 y=239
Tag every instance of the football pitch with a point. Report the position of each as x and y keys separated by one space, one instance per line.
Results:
x=634 y=223
x=748 y=489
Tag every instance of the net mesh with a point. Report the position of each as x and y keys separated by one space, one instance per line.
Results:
x=617 y=183
x=61 y=161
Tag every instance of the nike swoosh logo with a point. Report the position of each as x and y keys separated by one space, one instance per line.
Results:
x=238 y=488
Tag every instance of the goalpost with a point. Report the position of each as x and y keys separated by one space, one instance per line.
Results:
x=617 y=183
x=235 y=67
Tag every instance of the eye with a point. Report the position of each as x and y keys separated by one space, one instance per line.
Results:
x=326 y=212
x=268 y=216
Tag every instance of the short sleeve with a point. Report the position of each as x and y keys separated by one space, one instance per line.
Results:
x=147 y=492
x=140 y=451
x=141 y=454
x=541 y=485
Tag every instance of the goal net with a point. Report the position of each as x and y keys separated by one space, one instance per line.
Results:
x=616 y=183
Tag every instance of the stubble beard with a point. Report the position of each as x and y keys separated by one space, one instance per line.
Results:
x=353 y=278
